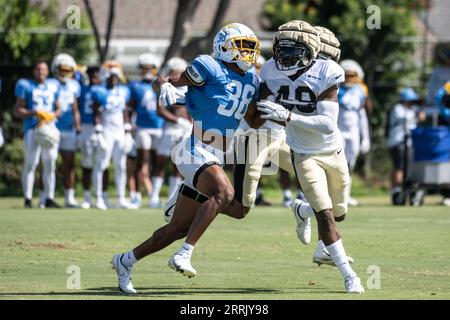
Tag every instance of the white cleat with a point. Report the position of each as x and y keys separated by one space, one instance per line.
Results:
x=100 y=204
x=86 y=205
x=125 y=204
x=353 y=285
x=123 y=274
x=322 y=256
x=182 y=263
x=303 y=225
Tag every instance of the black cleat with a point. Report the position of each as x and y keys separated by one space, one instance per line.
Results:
x=28 y=204
x=50 y=203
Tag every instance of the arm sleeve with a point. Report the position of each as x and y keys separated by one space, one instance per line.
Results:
x=324 y=122
x=199 y=71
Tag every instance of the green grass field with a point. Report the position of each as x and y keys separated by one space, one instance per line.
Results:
x=255 y=258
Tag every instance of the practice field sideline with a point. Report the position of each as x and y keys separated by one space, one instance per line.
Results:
x=255 y=258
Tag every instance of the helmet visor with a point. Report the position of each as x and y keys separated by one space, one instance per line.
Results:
x=289 y=53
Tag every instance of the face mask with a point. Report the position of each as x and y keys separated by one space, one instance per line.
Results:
x=148 y=76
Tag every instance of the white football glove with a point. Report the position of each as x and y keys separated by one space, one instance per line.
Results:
x=365 y=146
x=169 y=95
x=185 y=124
x=273 y=111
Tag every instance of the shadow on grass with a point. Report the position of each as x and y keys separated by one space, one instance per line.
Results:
x=172 y=291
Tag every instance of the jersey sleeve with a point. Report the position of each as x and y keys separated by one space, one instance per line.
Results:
x=77 y=89
x=334 y=75
x=199 y=70
x=127 y=94
x=95 y=94
x=21 y=88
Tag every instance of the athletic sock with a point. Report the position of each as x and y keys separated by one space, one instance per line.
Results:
x=128 y=259
x=337 y=253
x=287 y=194
x=157 y=184
x=186 y=248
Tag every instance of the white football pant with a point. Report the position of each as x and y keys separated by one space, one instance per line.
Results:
x=32 y=153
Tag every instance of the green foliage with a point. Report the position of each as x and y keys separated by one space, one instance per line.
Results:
x=18 y=45
x=11 y=160
x=384 y=53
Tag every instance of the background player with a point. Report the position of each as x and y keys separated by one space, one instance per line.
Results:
x=63 y=67
x=37 y=105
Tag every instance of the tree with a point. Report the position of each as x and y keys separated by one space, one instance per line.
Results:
x=102 y=51
x=381 y=50
x=182 y=30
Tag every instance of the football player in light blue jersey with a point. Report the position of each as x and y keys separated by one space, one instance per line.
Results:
x=63 y=67
x=112 y=128
x=37 y=105
x=87 y=142
x=149 y=127
x=220 y=91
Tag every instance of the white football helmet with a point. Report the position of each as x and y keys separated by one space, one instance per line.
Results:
x=63 y=61
x=174 y=64
x=110 y=68
x=329 y=45
x=47 y=135
x=237 y=43
x=151 y=61
x=351 y=66
x=295 y=45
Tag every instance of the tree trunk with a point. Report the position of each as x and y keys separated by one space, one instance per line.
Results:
x=98 y=44
x=182 y=27
x=200 y=45
x=111 y=16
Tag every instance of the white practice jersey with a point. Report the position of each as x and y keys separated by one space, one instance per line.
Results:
x=300 y=97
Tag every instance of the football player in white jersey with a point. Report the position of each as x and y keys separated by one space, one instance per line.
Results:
x=305 y=101
x=69 y=124
x=112 y=127
x=352 y=120
x=178 y=125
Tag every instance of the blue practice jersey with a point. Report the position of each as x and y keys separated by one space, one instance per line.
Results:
x=146 y=102
x=222 y=99
x=85 y=105
x=112 y=103
x=351 y=98
x=37 y=97
x=68 y=93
